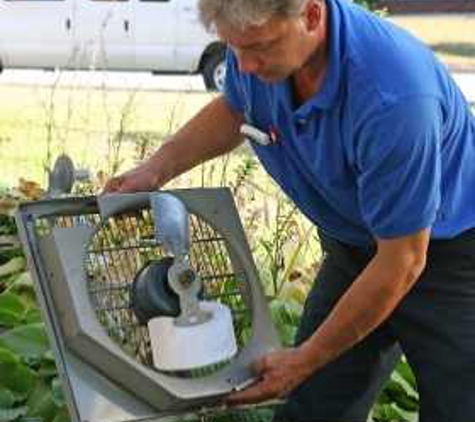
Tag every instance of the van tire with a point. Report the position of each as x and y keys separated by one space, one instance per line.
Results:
x=214 y=69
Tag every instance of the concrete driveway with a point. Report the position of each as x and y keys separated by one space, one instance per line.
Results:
x=100 y=80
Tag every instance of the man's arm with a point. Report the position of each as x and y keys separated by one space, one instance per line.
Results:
x=212 y=132
x=371 y=298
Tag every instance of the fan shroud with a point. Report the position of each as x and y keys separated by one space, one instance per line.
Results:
x=84 y=253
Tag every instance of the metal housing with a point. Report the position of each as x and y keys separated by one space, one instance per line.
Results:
x=102 y=382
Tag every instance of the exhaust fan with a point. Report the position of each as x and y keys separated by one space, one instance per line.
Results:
x=152 y=301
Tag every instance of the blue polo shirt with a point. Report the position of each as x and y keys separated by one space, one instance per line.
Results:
x=384 y=149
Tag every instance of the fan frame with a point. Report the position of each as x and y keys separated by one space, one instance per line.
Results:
x=102 y=383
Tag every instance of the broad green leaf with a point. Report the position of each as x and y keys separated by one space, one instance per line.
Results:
x=29 y=419
x=8 y=241
x=57 y=390
x=7 y=398
x=23 y=286
x=396 y=392
x=8 y=253
x=49 y=356
x=6 y=282
x=7 y=415
x=33 y=315
x=16 y=376
x=12 y=309
x=15 y=265
x=405 y=371
x=62 y=415
x=384 y=398
x=387 y=413
x=9 y=319
x=7 y=222
x=41 y=402
x=24 y=280
x=47 y=369
x=11 y=302
x=396 y=376
x=409 y=416
x=29 y=341
x=7 y=357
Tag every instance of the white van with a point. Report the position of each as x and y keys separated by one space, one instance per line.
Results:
x=151 y=35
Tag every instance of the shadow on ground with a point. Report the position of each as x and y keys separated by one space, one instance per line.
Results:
x=464 y=49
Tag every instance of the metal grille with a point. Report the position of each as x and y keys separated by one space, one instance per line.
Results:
x=122 y=246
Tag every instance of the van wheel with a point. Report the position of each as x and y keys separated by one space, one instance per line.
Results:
x=214 y=71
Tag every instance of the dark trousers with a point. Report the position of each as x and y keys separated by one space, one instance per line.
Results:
x=434 y=326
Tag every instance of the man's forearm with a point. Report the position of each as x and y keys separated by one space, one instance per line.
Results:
x=212 y=132
x=368 y=302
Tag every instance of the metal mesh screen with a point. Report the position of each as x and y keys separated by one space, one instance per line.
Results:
x=122 y=246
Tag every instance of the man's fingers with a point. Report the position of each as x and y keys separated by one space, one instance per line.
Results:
x=120 y=184
x=113 y=185
x=260 y=365
x=254 y=394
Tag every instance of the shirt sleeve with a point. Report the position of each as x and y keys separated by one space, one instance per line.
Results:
x=233 y=87
x=399 y=168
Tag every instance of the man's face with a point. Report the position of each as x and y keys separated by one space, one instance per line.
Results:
x=271 y=51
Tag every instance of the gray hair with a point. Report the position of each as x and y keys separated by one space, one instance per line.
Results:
x=243 y=13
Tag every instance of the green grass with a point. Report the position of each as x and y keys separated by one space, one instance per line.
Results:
x=36 y=123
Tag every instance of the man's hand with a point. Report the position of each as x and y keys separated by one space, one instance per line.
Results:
x=141 y=179
x=278 y=374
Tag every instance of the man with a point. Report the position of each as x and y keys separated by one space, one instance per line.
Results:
x=367 y=133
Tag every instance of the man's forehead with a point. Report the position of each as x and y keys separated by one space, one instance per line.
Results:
x=252 y=34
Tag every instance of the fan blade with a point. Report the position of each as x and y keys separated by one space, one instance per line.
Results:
x=172 y=225
x=61 y=178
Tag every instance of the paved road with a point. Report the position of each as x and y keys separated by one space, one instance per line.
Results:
x=147 y=81
x=99 y=80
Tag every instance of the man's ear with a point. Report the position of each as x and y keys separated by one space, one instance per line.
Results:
x=313 y=14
